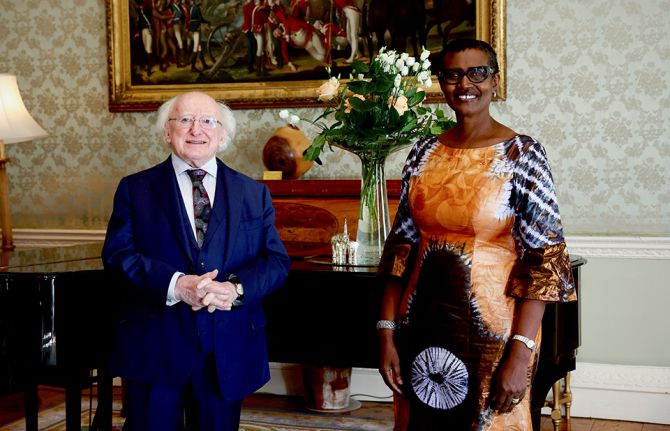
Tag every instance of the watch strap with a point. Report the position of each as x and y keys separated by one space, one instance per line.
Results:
x=525 y=340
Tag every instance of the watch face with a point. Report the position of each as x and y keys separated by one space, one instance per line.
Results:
x=239 y=288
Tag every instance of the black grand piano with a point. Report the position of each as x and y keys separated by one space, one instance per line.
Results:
x=57 y=315
x=56 y=322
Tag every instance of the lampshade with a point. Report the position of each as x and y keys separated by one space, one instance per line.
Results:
x=16 y=124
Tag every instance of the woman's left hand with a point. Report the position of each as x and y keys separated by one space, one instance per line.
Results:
x=511 y=382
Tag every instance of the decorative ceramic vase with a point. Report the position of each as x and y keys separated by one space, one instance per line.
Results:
x=373 y=215
x=283 y=152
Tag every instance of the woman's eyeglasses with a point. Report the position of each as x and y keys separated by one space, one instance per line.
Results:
x=186 y=122
x=475 y=74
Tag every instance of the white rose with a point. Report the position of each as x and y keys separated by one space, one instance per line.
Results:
x=397 y=81
x=425 y=65
x=410 y=61
x=399 y=63
x=328 y=89
x=404 y=71
x=283 y=114
x=425 y=54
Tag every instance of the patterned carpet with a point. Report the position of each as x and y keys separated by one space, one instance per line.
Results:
x=253 y=419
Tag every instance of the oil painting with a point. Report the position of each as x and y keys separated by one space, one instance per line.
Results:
x=273 y=53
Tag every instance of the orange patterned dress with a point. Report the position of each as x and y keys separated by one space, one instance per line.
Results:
x=476 y=229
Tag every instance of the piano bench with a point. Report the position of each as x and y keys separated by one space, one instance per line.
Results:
x=561 y=396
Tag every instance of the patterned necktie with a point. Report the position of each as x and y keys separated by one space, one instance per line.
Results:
x=201 y=205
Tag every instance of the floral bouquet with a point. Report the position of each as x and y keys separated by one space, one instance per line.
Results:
x=378 y=110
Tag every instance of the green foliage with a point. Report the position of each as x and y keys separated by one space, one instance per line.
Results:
x=379 y=109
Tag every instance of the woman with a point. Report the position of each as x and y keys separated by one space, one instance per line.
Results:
x=475 y=251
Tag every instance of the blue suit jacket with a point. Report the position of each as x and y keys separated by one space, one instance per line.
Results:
x=149 y=238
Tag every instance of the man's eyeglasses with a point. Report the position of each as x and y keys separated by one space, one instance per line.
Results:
x=475 y=74
x=186 y=122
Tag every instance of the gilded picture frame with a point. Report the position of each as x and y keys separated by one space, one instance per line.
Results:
x=127 y=94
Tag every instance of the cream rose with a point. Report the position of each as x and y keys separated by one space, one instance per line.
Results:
x=328 y=90
x=400 y=104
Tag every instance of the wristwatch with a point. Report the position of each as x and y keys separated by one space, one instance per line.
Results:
x=525 y=340
x=239 y=288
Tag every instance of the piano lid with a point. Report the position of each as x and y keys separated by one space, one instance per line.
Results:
x=52 y=259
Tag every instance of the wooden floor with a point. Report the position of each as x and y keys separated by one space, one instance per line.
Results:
x=385 y=411
x=11 y=409
x=582 y=424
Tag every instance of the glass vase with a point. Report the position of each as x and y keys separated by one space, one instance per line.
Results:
x=373 y=215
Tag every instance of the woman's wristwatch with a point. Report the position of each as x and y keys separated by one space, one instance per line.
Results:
x=525 y=340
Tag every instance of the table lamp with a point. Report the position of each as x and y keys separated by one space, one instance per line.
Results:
x=16 y=125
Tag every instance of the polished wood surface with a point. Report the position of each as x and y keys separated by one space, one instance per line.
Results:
x=310 y=212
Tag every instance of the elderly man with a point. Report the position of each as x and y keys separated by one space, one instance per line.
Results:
x=195 y=243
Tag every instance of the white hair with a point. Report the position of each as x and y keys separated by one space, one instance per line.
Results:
x=227 y=119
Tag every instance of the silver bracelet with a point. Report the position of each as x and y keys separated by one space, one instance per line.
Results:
x=386 y=324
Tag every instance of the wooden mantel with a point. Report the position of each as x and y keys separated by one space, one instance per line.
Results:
x=327 y=189
x=310 y=212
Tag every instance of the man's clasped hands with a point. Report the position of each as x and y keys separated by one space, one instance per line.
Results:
x=200 y=291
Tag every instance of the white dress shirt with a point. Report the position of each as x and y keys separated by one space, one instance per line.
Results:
x=186 y=189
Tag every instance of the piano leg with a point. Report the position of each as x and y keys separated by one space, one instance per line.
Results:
x=102 y=421
x=562 y=397
x=567 y=395
x=31 y=405
x=541 y=385
x=556 y=405
x=73 y=404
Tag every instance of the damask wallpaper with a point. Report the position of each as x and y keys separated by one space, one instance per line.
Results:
x=588 y=79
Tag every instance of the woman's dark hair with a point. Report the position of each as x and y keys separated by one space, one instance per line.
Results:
x=459 y=45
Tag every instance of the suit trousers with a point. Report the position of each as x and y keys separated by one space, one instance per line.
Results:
x=161 y=406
